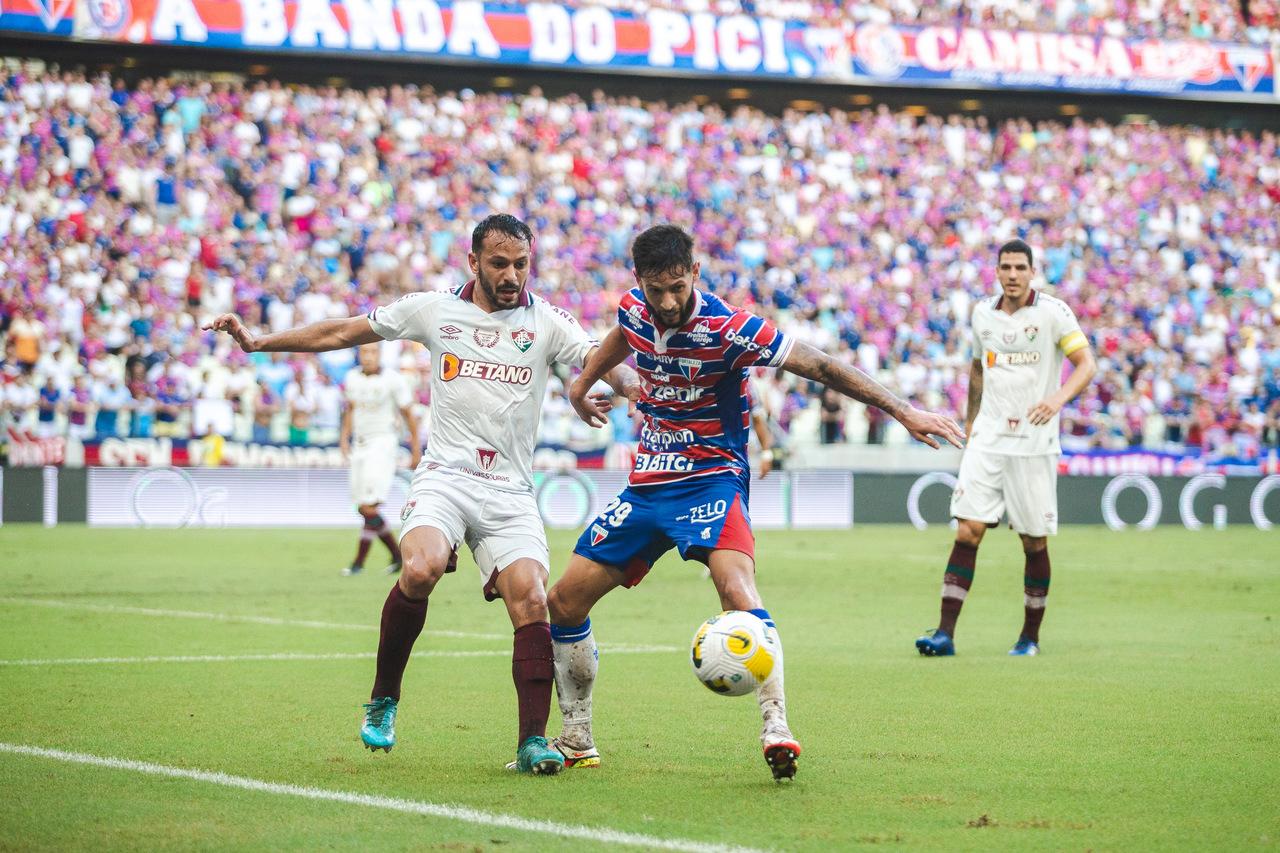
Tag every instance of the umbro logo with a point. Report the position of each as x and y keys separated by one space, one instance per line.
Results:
x=449 y=333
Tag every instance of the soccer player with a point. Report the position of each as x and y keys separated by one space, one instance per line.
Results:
x=1010 y=466
x=373 y=399
x=492 y=344
x=688 y=489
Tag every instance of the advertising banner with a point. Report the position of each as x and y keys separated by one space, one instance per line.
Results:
x=671 y=42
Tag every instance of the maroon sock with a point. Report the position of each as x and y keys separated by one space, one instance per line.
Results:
x=402 y=621
x=1035 y=588
x=955 y=584
x=366 y=540
x=384 y=533
x=533 y=670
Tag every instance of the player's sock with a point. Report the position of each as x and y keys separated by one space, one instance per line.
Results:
x=771 y=695
x=956 y=583
x=367 y=534
x=1036 y=590
x=402 y=621
x=577 y=661
x=384 y=533
x=533 y=670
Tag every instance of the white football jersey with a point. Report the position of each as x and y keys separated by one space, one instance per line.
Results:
x=1021 y=355
x=375 y=402
x=489 y=376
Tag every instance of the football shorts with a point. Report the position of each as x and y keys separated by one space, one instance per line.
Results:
x=373 y=465
x=498 y=526
x=993 y=485
x=695 y=516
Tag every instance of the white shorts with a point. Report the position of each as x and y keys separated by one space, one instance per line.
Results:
x=373 y=465
x=1024 y=487
x=499 y=527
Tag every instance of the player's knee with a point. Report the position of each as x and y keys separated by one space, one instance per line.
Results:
x=1034 y=544
x=970 y=533
x=419 y=573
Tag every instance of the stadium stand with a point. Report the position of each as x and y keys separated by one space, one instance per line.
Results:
x=129 y=215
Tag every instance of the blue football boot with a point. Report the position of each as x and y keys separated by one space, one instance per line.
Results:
x=379 y=729
x=936 y=644
x=537 y=756
x=1025 y=648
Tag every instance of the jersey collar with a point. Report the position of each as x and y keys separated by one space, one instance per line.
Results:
x=1030 y=301
x=467 y=294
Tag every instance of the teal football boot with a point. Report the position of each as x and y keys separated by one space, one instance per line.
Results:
x=379 y=729
x=536 y=756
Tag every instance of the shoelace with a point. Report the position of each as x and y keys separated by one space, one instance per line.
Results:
x=376 y=713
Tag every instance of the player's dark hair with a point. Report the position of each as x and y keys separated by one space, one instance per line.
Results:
x=1016 y=247
x=500 y=223
x=662 y=249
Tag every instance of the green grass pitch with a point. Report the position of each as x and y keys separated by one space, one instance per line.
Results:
x=1149 y=722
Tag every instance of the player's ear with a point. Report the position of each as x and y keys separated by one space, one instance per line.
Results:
x=473 y=262
x=697 y=267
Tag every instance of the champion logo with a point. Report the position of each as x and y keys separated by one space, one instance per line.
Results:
x=449 y=333
x=486 y=457
x=598 y=534
x=487 y=338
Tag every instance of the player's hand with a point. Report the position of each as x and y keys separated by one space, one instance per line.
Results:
x=766 y=463
x=1041 y=413
x=634 y=392
x=924 y=425
x=230 y=323
x=415 y=456
x=344 y=447
x=589 y=406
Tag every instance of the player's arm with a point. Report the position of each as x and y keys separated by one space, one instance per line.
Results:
x=975 y=395
x=603 y=360
x=344 y=434
x=323 y=336
x=415 y=441
x=804 y=360
x=1083 y=369
x=760 y=424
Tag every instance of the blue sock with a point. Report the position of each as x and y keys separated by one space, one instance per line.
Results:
x=759 y=612
x=573 y=634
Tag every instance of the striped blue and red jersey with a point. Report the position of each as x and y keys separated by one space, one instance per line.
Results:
x=696 y=406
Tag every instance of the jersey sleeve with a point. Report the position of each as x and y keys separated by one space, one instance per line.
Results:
x=408 y=318
x=1066 y=329
x=750 y=340
x=569 y=344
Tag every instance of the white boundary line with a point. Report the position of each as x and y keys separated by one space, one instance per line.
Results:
x=601 y=835
x=228 y=617
x=296 y=656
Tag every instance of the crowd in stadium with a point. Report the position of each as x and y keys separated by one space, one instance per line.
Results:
x=130 y=216
x=1256 y=21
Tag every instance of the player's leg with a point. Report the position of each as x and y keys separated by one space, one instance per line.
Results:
x=576 y=657
x=523 y=588
x=976 y=503
x=368 y=531
x=1033 y=513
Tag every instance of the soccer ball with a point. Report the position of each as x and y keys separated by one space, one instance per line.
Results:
x=732 y=654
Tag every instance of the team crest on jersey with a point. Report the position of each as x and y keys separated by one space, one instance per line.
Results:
x=522 y=338
x=598 y=534
x=486 y=457
x=1009 y=337
x=689 y=367
x=449 y=333
x=486 y=337
x=1031 y=332
x=1013 y=422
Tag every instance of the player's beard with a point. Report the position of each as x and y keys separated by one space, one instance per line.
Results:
x=501 y=300
x=686 y=311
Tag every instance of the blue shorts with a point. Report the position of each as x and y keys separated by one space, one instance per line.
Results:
x=695 y=516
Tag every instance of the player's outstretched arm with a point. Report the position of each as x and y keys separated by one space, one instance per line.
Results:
x=1083 y=369
x=804 y=360
x=975 y=395
x=611 y=353
x=316 y=337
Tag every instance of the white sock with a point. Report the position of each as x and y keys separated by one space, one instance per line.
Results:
x=577 y=662
x=771 y=695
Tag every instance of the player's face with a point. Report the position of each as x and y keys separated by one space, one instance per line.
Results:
x=501 y=270
x=1014 y=271
x=669 y=296
x=370 y=358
